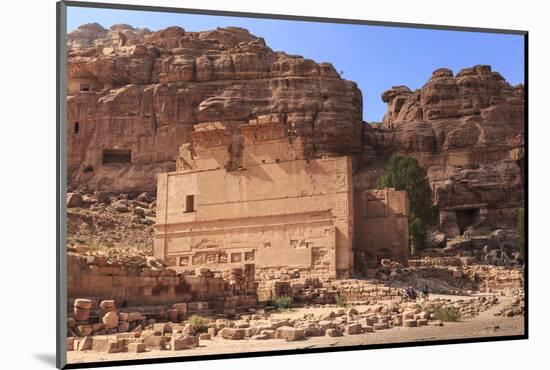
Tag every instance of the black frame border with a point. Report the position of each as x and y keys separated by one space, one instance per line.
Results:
x=61 y=175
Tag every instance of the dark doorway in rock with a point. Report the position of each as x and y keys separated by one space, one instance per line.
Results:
x=466 y=218
x=76 y=128
x=122 y=156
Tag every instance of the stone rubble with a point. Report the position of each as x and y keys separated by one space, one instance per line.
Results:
x=145 y=334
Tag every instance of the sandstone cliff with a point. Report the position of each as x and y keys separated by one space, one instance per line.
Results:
x=134 y=96
x=468 y=132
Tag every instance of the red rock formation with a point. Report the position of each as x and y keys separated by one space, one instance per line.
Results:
x=130 y=107
x=135 y=95
x=467 y=131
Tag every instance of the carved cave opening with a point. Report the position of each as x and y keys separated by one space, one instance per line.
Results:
x=120 y=156
x=466 y=218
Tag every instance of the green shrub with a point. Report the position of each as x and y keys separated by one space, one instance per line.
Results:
x=341 y=300
x=283 y=302
x=447 y=313
x=199 y=323
x=419 y=233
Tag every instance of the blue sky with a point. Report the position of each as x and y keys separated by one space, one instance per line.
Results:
x=375 y=57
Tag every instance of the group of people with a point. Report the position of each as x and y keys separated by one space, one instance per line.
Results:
x=410 y=292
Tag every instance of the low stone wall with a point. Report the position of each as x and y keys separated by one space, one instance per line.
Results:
x=97 y=279
x=318 y=291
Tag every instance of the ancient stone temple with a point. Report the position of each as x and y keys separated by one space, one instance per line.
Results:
x=254 y=198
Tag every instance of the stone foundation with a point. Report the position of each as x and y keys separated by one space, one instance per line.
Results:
x=96 y=278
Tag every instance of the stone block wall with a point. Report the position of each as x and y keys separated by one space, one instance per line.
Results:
x=96 y=278
x=381 y=227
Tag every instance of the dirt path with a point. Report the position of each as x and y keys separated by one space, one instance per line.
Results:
x=483 y=325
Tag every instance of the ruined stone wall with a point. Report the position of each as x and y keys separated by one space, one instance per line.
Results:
x=282 y=214
x=98 y=279
x=381 y=228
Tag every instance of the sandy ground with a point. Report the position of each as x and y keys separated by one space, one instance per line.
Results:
x=483 y=325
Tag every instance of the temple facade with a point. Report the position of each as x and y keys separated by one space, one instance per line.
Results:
x=250 y=197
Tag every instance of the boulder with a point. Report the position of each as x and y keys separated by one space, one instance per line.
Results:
x=231 y=333
x=103 y=197
x=74 y=200
x=110 y=319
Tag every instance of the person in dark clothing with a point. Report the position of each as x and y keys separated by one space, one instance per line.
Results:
x=425 y=291
x=411 y=293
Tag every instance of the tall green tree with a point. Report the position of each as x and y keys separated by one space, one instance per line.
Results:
x=405 y=173
x=521 y=231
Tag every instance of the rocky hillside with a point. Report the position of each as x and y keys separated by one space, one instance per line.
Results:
x=468 y=132
x=135 y=95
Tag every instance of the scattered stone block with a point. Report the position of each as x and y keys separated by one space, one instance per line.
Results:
x=173 y=315
x=155 y=342
x=381 y=326
x=110 y=319
x=84 y=330
x=70 y=344
x=71 y=323
x=136 y=347
x=182 y=341
x=353 y=329
x=107 y=305
x=123 y=326
x=134 y=316
x=83 y=303
x=74 y=200
x=334 y=332
x=289 y=333
x=313 y=331
x=103 y=197
x=205 y=336
x=84 y=344
x=162 y=328
x=367 y=329
x=410 y=323
x=270 y=333
x=106 y=345
x=231 y=333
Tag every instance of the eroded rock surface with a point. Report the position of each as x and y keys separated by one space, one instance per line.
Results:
x=134 y=97
x=467 y=130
